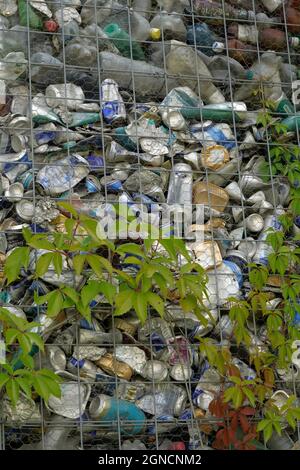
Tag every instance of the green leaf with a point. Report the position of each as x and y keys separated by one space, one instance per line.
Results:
x=94 y=262
x=13 y=391
x=68 y=207
x=3 y=379
x=24 y=342
x=25 y=385
x=57 y=263
x=131 y=249
x=188 y=303
x=262 y=424
x=17 y=259
x=70 y=226
x=55 y=303
x=109 y=290
x=106 y=264
x=36 y=339
x=43 y=263
x=78 y=263
x=84 y=310
x=250 y=395
x=26 y=359
x=156 y=302
x=71 y=293
x=10 y=335
x=52 y=386
x=124 y=301
x=41 y=386
x=140 y=306
x=268 y=431
x=89 y=292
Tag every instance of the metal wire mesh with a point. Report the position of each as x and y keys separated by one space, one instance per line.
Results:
x=80 y=54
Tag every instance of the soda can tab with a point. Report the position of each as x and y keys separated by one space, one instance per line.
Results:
x=114 y=367
x=74 y=397
x=113 y=108
x=109 y=410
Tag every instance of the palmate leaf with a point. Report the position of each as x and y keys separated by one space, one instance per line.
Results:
x=124 y=301
x=15 y=261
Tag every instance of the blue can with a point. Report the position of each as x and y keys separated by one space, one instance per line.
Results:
x=117 y=413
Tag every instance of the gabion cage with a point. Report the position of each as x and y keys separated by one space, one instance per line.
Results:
x=155 y=102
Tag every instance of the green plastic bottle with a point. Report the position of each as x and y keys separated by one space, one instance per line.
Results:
x=121 y=40
x=33 y=20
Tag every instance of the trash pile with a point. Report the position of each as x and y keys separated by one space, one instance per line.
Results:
x=153 y=103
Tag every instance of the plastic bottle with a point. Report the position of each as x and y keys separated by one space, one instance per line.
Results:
x=143 y=7
x=170 y=24
x=223 y=68
x=122 y=41
x=148 y=79
x=182 y=61
x=205 y=40
x=243 y=32
x=173 y=5
x=136 y=25
x=28 y=16
x=265 y=70
x=81 y=51
x=12 y=66
x=46 y=69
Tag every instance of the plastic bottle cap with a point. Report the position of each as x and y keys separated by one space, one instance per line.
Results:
x=218 y=47
x=155 y=34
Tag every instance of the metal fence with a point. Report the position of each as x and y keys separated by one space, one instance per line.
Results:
x=94 y=142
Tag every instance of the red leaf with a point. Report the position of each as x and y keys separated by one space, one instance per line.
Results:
x=244 y=423
x=234 y=423
x=248 y=411
x=233 y=371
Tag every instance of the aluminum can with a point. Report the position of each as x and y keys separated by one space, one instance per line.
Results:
x=110 y=410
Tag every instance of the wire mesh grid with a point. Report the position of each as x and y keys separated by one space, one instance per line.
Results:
x=59 y=144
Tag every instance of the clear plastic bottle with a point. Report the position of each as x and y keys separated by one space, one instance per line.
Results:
x=267 y=71
x=187 y=65
x=148 y=79
x=204 y=39
x=170 y=24
x=46 y=69
x=143 y=7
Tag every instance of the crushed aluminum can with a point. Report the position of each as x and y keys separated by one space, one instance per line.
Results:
x=83 y=367
x=214 y=157
x=65 y=94
x=113 y=108
x=181 y=372
x=169 y=400
x=89 y=352
x=74 y=397
x=131 y=355
x=112 y=366
x=156 y=371
x=61 y=176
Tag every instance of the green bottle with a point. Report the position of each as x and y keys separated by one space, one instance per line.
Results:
x=121 y=40
x=33 y=20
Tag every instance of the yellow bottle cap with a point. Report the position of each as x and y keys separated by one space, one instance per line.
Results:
x=155 y=34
